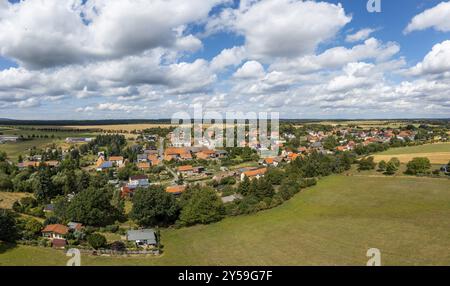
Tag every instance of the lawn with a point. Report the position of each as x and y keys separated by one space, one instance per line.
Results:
x=334 y=223
x=437 y=153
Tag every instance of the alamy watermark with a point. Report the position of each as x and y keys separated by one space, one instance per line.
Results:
x=374 y=255
x=75 y=259
x=374 y=6
x=237 y=129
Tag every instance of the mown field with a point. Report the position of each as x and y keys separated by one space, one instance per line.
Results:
x=334 y=223
x=437 y=153
x=14 y=149
x=7 y=199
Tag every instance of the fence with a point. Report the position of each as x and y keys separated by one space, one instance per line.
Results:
x=118 y=253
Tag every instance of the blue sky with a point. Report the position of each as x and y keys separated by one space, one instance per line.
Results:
x=150 y=59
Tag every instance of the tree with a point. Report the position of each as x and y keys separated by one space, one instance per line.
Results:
x=96 y=240
x=5 y=183
x=275 y=176
x=264 y=189
x=382 y=165
x=395 y=161
x=8 y=228
x=330 y=143
x=244 y=186
x=366 y=164
x=418 y=166
x=153 y=206
x=44 y=190
x=92 y=207
x=391 y=168
x=202 y=207
x=32 y=228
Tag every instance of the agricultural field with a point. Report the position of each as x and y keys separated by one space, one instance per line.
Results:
x=437 y=153
x=14 y=149
x=333 y=223
x=120 y=127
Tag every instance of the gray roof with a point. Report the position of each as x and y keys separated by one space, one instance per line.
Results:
x=142 y=234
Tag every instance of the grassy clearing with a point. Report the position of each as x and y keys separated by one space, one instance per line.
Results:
x=7 y=199
x=437 y=153
x=334 y=223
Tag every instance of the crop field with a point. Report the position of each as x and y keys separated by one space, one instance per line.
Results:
x=333 y=223
x=437 y=153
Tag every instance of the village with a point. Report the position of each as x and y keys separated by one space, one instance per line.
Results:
x=149 y=160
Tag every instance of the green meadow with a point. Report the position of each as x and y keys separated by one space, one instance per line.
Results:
x=333 y=223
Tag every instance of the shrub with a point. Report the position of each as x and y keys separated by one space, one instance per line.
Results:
x=96 y=241
x=418 y=166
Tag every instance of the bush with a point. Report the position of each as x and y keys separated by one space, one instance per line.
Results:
x=112 y=228
x=118 y=246
x=96 y=241
x=418 y=166
x=366 y=164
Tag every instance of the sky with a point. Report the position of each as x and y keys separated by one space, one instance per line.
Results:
x=148 y=59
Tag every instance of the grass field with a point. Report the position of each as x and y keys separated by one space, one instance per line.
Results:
x=14 y=149
x=7 y=199
x=437 y=153
x=334 y=223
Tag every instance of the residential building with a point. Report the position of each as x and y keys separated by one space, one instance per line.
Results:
x=142 y=238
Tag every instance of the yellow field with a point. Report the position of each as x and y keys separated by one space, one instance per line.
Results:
x=7 y=199
x=120 y=127
x=435 y=158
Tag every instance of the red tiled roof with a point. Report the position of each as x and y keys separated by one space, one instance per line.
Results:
x=254 y=173
x=185 y=168
x=116 y=158
x=143 y=165
x=56 y=228
x=175 y=189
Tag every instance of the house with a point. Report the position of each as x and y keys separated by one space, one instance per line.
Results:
x=103 y=165
x=176 y=153
x=221 y=154
x=302 y=150
x=143 y=166
x=116 y=160
x=271 y=162
x=198 y=170
x=185 y=170
x=4 y=139
x=55 y=231
x=154 y=160
x=25 y=165
x=52 y=163
x=74 y=226
x=126 y=192
x=142 y=158
x=49 y=208
x=139 y=181
x=78 y=140
x=292 y=157
x=142 y=238
x=232 y=198
x=175 y=190
x=254 y=174
x=59 y=243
